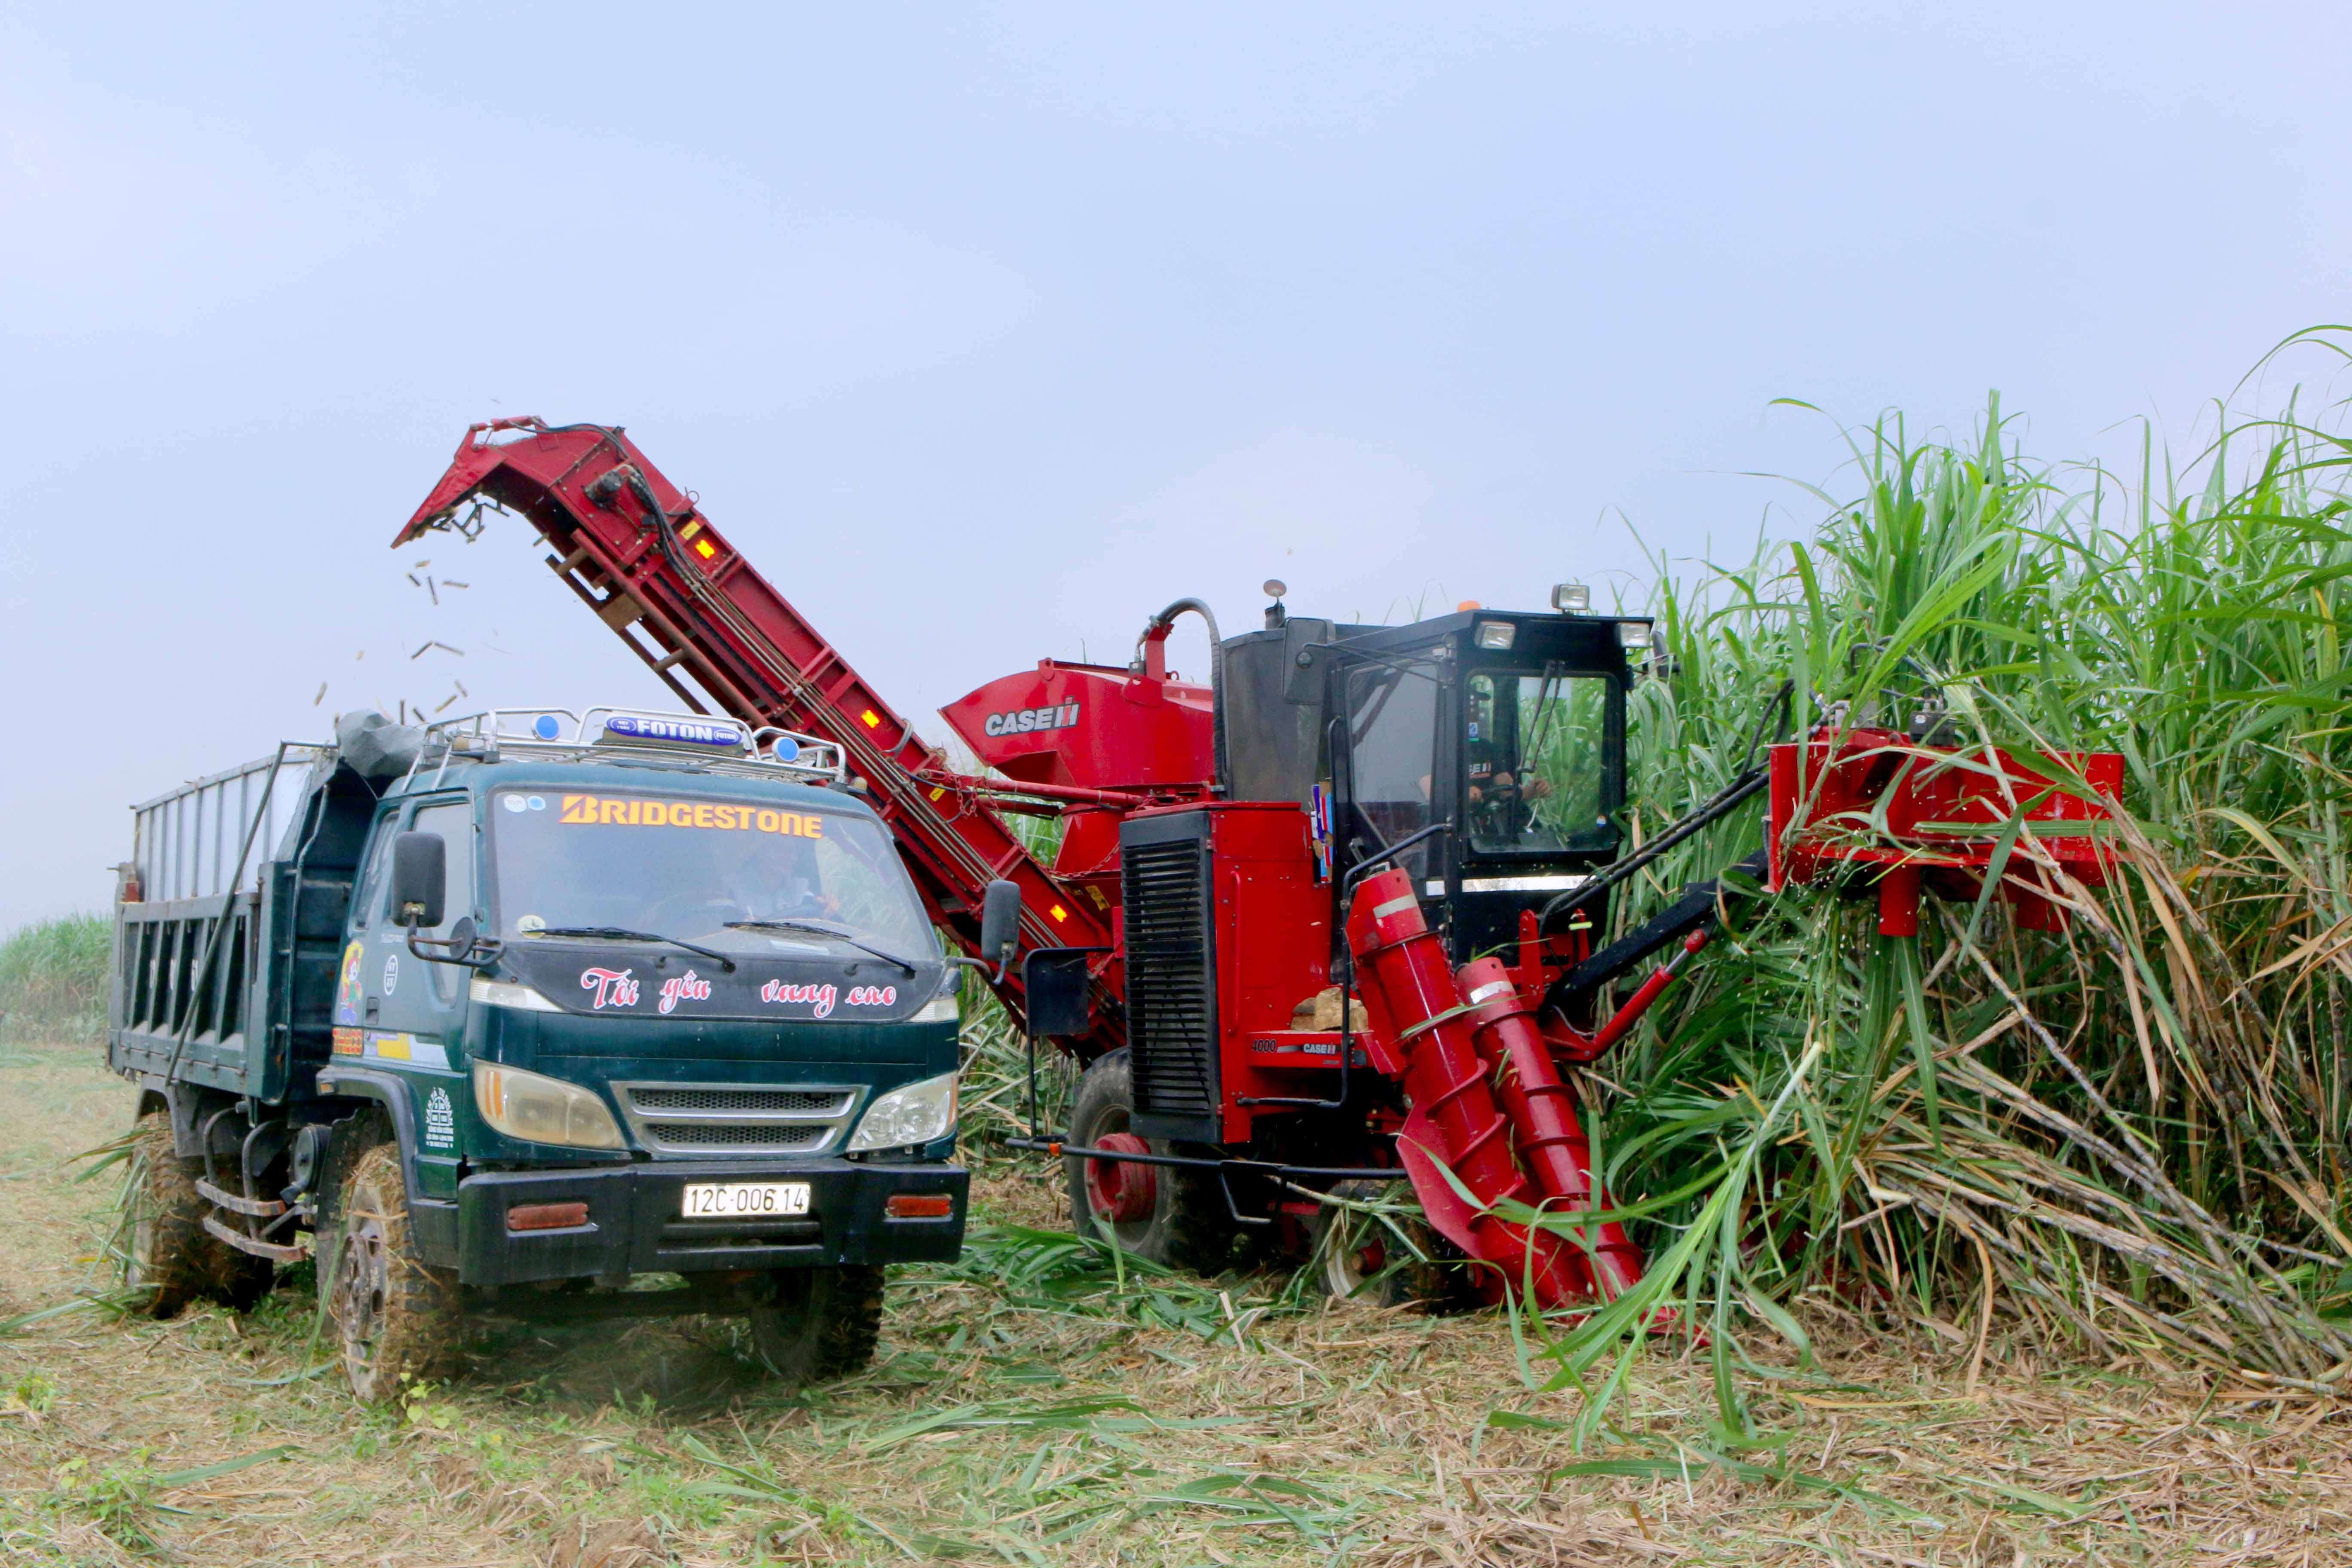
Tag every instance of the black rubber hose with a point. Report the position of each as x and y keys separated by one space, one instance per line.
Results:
x=1216 y=678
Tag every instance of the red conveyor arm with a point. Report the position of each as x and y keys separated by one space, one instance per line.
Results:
x=641 y=555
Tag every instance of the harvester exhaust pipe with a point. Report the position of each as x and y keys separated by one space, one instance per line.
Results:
x=1150 y=651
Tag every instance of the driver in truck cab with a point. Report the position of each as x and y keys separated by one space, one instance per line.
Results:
x=782 y=884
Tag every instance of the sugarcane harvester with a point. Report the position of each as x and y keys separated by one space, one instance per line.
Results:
x=1328 y=920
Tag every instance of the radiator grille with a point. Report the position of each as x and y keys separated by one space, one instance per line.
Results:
x=1172 y=1002
x=734 y=1136
x=687 y=1120
x=757 y=1101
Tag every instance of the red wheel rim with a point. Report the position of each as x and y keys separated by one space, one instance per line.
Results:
x=1120 y=1191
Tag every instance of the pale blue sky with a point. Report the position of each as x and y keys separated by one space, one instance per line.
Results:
x=987 y=335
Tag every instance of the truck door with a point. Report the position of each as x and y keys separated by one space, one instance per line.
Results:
x=414 y=1011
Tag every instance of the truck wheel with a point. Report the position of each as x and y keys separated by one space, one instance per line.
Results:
x=1359 y=1256
x=823 y=1323
x=173 y=1255
x=1171 y=1214
x=393 y=1315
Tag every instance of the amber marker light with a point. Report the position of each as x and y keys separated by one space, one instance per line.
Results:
x=546 y=1216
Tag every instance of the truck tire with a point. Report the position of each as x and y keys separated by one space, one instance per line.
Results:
x=1170 y=1214
x=173 y=1255
x=395 y=1318
x=823 y=1323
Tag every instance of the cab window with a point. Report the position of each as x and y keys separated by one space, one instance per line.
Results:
x=1535 y=762
x=365 y=897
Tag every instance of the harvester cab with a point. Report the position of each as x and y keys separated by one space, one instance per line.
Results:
x=1483 y=753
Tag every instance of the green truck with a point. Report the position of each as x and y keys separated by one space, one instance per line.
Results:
x=537 y=1013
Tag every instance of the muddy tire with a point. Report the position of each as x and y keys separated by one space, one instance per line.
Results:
x=395 y=1319
x=1170 y=1214
x=173 y=1255
x=1392 y=1260
x=823 y=1323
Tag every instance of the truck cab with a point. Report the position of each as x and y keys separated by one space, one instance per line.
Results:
x=612 y=995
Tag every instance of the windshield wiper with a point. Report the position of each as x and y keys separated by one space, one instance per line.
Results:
x=622 y=934
x=823 y=929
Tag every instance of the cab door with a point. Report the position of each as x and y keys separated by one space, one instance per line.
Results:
x=414 y=1013
x=415 y=1009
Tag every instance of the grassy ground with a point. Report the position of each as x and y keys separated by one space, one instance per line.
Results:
x=1028 y=1408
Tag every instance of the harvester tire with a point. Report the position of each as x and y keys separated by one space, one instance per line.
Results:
x=823 y=1324
x=397 y=1319
x=172 y=1256
x=1360 y=1258
x=1180 y=1214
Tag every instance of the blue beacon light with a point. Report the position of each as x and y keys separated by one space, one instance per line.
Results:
x=545 y=727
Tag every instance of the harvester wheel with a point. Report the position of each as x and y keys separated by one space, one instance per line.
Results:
x=823 y=1323
x=396 y=1318
x=1172 y=1214
x=173 y=1255
x=1386 y=1254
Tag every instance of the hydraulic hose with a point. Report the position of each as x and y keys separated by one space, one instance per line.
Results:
x=1158 y=625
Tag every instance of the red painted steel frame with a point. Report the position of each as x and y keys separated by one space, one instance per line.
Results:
x=1930 y=816
x=1419 y=1033
x=1541 y=1108
x=691 y=607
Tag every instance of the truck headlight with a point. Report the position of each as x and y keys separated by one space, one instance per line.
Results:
x=940 y=1009
x=542 y=1109
x=916 y=1113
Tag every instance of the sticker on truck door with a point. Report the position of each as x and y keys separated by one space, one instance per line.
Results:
x=415 y=1050
x=440 y=1120
x=347 y=986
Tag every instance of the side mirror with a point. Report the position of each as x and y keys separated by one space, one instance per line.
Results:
x=420 y=876
x=1000 y=923
x=1054 y=987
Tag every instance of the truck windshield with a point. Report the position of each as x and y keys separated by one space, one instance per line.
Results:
x=686 y=865
x=1535 y=758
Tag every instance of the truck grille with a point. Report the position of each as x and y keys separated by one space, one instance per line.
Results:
x=736 y=1138
x=1171 y=997
x=826 y=1102
x=687 y=1119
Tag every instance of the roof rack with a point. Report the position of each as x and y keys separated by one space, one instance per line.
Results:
x=716 y=744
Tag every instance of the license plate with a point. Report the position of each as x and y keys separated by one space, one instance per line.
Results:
x=734 y=1200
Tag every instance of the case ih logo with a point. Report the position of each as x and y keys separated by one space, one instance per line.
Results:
x=1024 y=720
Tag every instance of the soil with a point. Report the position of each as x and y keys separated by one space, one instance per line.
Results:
x=1129 y=1419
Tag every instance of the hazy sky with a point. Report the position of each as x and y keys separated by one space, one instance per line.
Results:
x=984 y=336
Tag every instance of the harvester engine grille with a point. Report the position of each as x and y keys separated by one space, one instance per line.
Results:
x=1171 y=997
